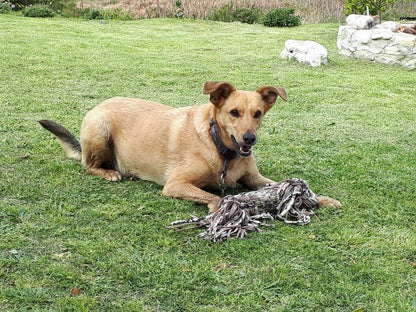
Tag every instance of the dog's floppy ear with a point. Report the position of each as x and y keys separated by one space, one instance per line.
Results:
x=218 y=91
x=269 y=94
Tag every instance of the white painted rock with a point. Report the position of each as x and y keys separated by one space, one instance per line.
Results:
x=308 y=52
x=360 y=21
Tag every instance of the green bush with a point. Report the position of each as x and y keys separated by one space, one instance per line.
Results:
x=249 y=16
x=178 y=11
x=38 y=10
x=21 y=4
x=374 y=7
x=282 y=17
x=228 y=14
x=96 y=14
x=5 y=7
x=65 y=7
x=357 y=7
x=92 y=14
x=223 y=14
x=116 y=14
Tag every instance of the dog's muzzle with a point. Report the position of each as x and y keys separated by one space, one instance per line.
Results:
x=244 y=148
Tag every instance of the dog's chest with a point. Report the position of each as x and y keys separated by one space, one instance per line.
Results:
x=231 y=173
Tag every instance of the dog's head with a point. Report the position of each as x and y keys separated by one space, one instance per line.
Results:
x=238 y=114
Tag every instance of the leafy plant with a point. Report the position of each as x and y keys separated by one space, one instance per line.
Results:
x=179 y=12
x=67 y=8
x=223 y=14
x=227 y=13
x=281 y=17
x=374 y=6
x=249 y=16
x=38 y=10
x=21 y=4
x=64 y=7
x=92 y=14
x=97 y=14
x=6 y=7
x=116 y=14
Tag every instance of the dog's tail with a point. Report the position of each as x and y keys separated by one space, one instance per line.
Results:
x=68 y=141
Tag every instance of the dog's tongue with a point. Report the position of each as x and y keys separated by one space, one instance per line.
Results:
x=245 y=149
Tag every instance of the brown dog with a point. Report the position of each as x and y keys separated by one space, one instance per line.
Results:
x=185 y=149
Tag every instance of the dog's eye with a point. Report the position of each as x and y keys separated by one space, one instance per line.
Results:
x=257 y=114
x=235 y=113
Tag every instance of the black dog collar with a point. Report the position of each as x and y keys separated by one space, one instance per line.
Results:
x=222 y=149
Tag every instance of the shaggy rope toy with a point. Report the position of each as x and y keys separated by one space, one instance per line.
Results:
x=291 y=201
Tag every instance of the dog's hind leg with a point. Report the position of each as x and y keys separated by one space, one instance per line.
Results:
x=95 y=168
x=97 y=148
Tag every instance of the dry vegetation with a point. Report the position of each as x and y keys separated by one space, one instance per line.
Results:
x=311 y=11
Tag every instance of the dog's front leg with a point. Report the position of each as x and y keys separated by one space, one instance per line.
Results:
x=188 y=191
x=252 y=179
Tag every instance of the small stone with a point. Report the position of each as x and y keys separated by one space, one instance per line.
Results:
x=381 y=34
x=362 y=36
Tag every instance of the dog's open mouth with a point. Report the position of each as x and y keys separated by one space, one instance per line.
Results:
x=243 y=149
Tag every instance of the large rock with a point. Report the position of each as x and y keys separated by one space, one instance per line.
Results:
x=360 y=21
x=308 y=52
x=381 y=43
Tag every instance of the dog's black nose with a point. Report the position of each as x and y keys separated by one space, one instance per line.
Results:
x=249 y=138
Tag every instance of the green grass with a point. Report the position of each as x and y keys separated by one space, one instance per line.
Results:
x=348 y=129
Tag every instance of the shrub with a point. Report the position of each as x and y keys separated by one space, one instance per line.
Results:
x=374 y=7
x=67 y=8
x=223 y=14
x=91 y=14
x=228 y=14
x=96 y=14
x=116 y=14
x=38 y=10
x=282 y=17
x=64 y=7
x=178 y=10
x=5 y=7
x=249 y=16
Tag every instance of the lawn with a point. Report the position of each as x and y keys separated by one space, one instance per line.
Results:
x=74 y=242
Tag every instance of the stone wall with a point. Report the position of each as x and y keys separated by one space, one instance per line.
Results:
x=361 y=38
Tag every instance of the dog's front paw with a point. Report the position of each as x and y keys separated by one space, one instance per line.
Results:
x=324 y=201
x=112 y=175
x=214 y=205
